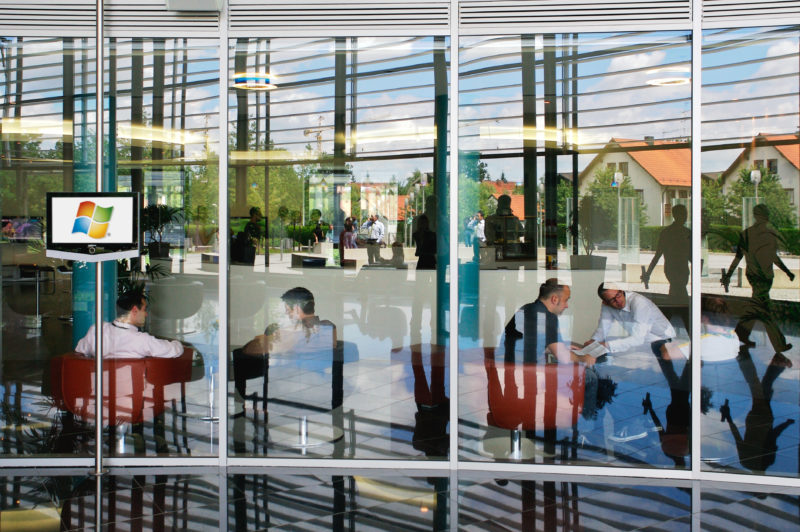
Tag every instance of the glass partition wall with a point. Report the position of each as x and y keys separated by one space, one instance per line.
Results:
x=574 y=178
x=160 y=142
x=749 y=315
x=338 y=246
x=575 y=252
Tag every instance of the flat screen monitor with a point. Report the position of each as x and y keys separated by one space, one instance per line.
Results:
x=92 y=224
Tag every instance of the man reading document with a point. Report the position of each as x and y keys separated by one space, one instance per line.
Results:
x=643 y=324
x=536 y=324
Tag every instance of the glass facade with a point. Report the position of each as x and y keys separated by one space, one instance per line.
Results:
x=466 y=250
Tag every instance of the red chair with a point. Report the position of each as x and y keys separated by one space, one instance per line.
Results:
x=135 y=390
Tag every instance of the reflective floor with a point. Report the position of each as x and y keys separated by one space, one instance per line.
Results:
x=384 y=500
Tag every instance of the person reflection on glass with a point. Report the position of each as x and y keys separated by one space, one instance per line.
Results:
x=758 y=244
x=760 y=442
x=425 y=239
x=675 y=437
x=675 y=244
x=433 y=405
x=537 y=325
x=503 y=230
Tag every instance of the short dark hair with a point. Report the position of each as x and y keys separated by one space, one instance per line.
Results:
x=301 y=297
x=129 y=299
x=602 y=288
x=550 y=287
x=255 y=210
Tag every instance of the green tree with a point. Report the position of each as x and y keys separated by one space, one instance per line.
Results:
x=714 y=204
x=605 y=199
x=770 y=193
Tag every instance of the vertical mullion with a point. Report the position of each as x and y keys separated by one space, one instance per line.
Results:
x=453 y=263
x=696 y=194
x=222 y=279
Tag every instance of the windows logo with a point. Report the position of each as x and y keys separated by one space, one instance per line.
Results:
x=92 y=219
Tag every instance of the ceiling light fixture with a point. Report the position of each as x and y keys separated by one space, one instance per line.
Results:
x=254 y=81
x=668 y=82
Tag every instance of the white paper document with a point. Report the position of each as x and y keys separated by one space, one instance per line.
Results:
x=594 y=349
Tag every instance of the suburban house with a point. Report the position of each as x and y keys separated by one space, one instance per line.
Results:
x=659 y=170
x=780 y=154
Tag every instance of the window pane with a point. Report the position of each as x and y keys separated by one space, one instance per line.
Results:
x=338 y=204
x=46 y=145
x=750 y=161
x=573 y=147
x=164 y=95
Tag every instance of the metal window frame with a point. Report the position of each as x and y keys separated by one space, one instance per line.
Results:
x=453 y=464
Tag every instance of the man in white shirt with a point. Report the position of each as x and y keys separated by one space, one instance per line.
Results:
x=480 y=229
x=123 y=338
x=643 y=322
x=375 y=232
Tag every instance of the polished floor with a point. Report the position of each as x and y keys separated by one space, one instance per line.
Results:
x=278 y=499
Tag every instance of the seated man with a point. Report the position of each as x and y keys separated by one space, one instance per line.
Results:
x=638 y=316
x=305 y=332
x=123 y=338
x=537 y=325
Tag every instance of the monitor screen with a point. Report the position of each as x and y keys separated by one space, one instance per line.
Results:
x=104 y=221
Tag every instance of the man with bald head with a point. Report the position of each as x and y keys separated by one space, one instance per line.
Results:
x=536 y=324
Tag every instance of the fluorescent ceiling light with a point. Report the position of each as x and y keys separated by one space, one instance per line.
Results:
x=159 y=134
x=559 y=136
x=26 y=128
x=396 y=134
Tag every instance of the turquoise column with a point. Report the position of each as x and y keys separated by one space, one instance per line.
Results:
x=83 y=273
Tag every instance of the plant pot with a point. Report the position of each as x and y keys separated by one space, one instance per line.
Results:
x=158 y=250
x=587 y=262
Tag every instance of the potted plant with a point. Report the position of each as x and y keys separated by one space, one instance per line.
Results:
x=155 y=218
x=593 y=223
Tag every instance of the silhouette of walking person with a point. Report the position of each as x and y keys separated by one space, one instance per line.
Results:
x=760 y=442
x=758 y=244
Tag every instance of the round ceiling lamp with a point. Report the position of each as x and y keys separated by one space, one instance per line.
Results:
x=253 y=81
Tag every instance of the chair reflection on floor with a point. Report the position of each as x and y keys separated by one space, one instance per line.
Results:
x=134 y=391
x=552 y=398
x=303 y=433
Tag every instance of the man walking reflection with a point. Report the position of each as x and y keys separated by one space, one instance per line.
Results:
x=759 y=445
x=758 y=244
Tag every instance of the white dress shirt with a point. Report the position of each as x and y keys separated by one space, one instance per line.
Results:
x=641 y=320
x=480 y=230
x=123 y=340
x=376 y=231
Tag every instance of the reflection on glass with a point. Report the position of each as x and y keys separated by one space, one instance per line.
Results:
x=344 y=155
x=575 y=173
x=159 y=98
x=751 y=171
